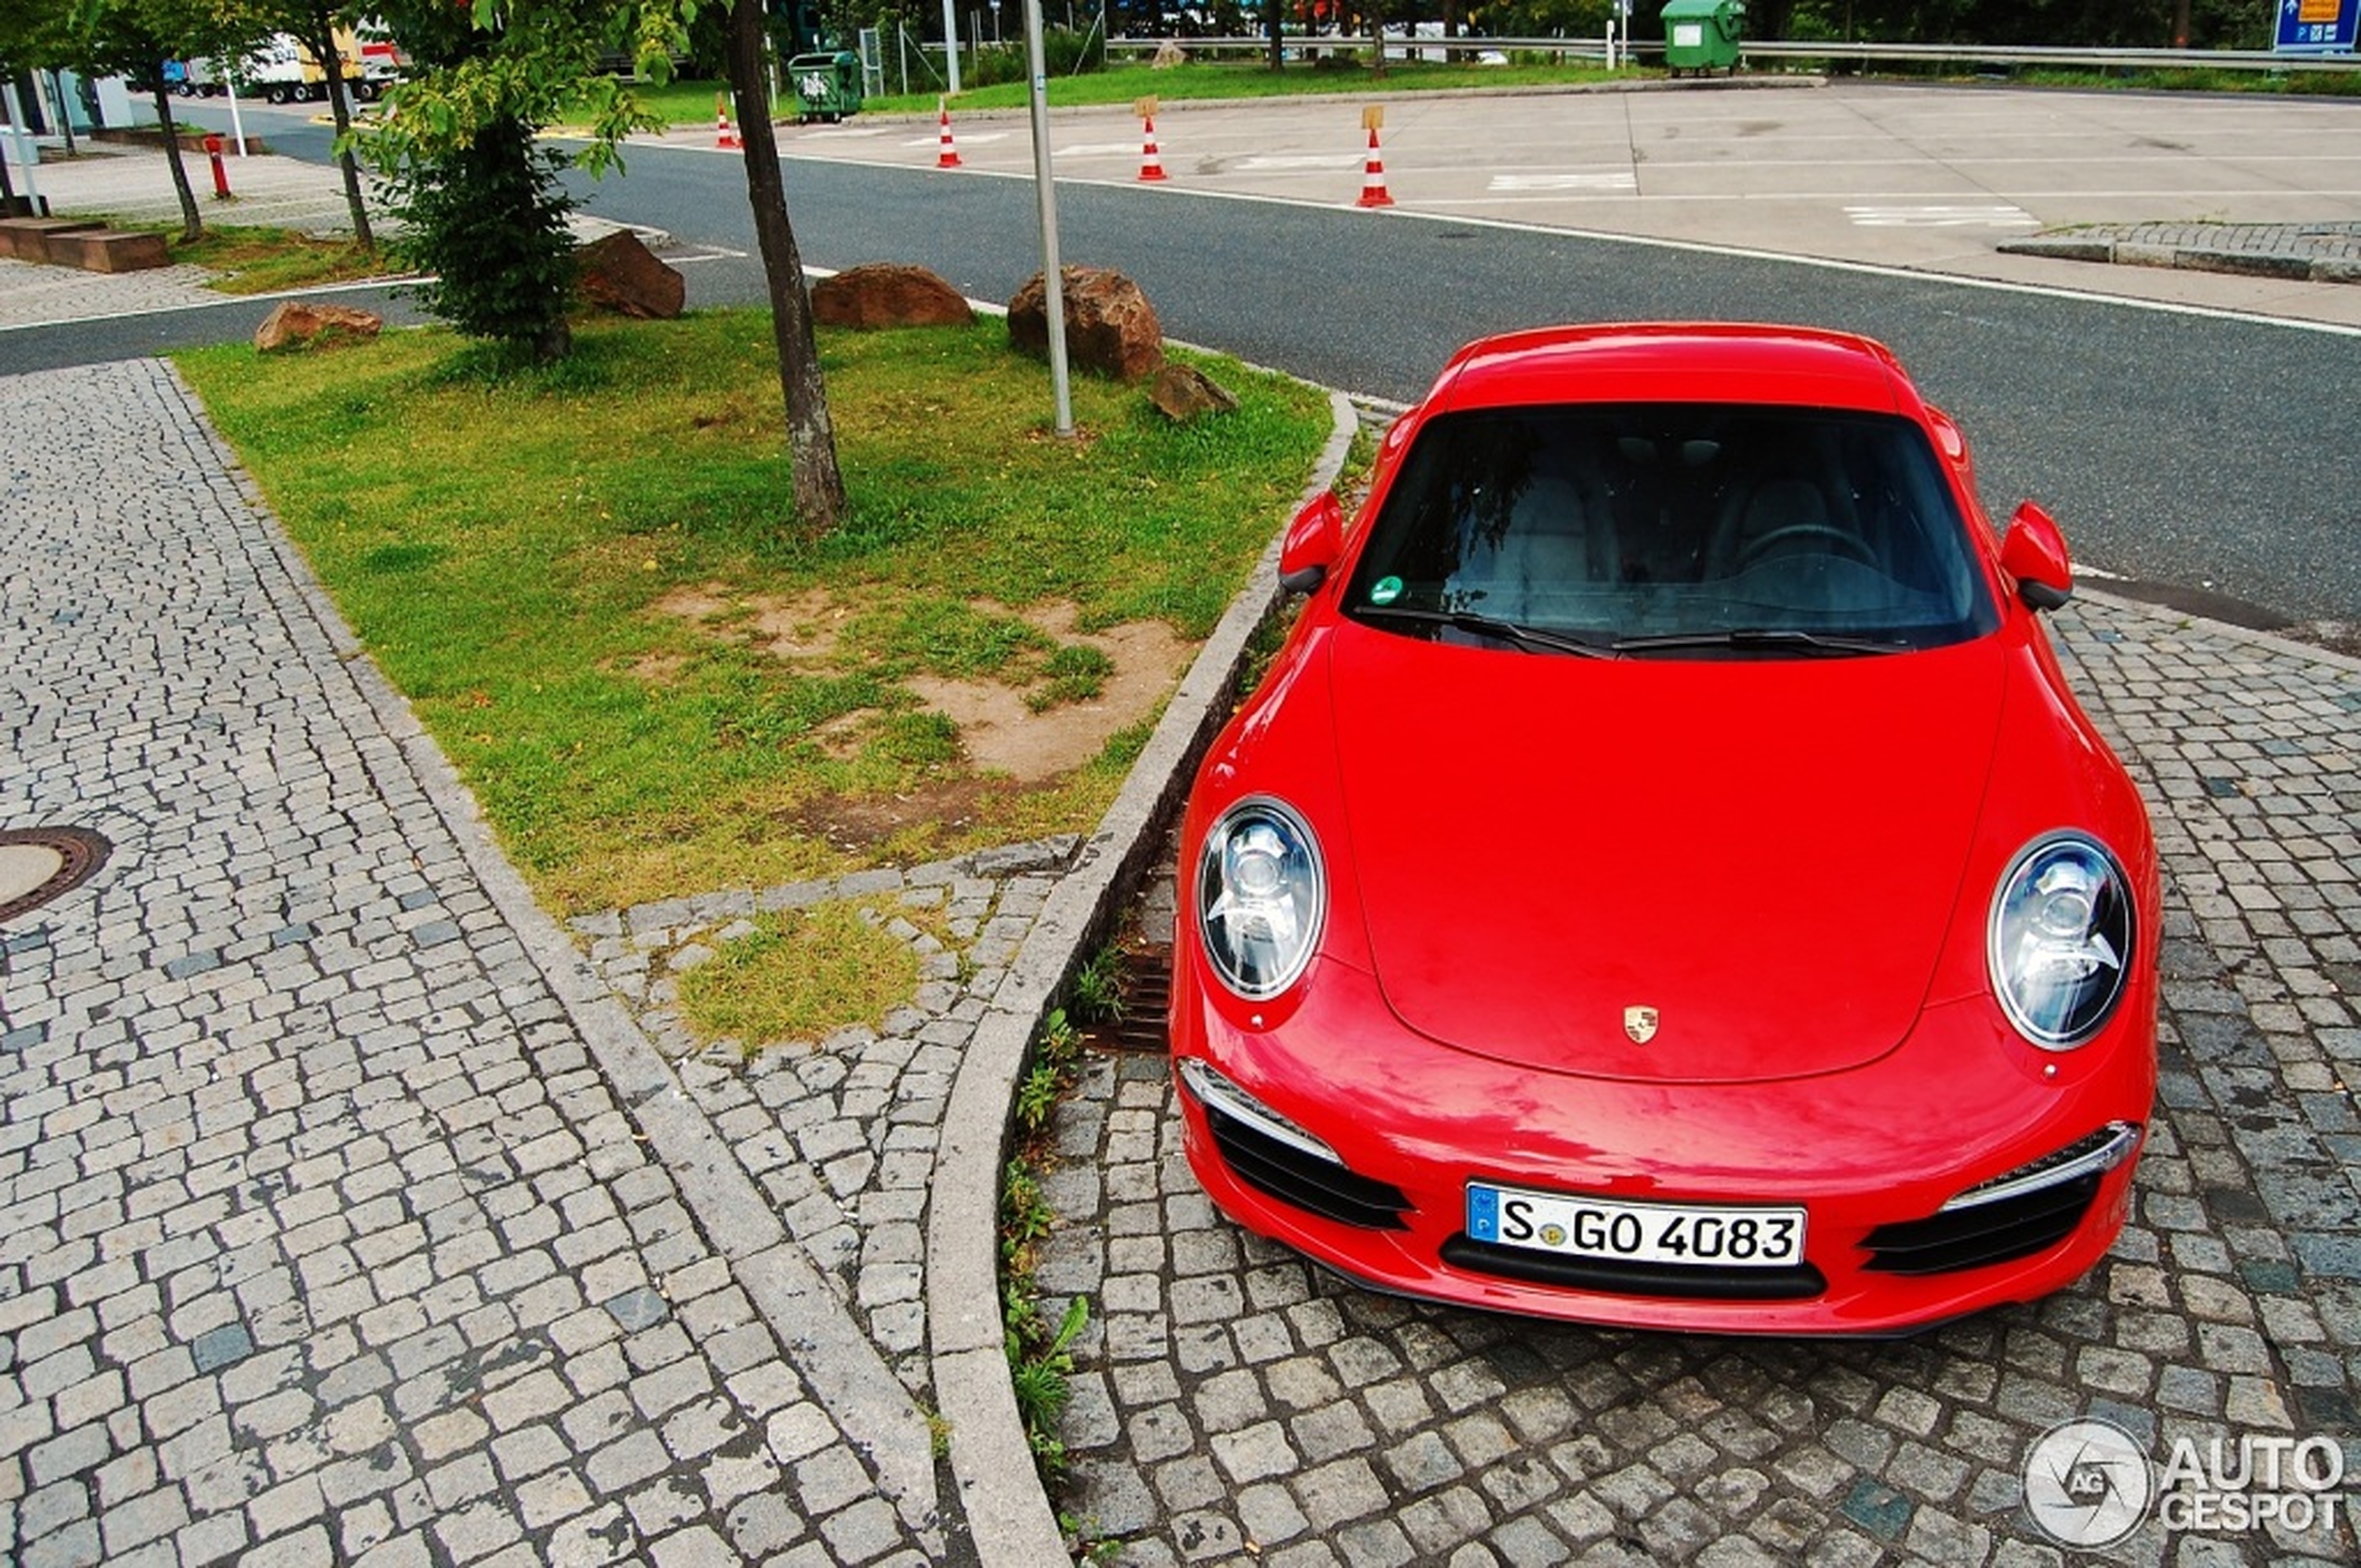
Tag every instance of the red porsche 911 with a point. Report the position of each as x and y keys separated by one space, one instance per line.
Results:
x=1665 y=879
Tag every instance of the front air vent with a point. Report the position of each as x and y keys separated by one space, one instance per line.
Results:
x=1285 y=1172
x=1983 y=1233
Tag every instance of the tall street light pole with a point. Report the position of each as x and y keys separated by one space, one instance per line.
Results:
x=1052 y=284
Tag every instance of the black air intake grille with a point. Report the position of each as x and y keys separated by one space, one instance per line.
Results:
x=1984 y=1233
x=1798 y=1283
x=1305 y=1180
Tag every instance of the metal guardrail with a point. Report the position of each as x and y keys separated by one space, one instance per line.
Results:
x=1970 y=54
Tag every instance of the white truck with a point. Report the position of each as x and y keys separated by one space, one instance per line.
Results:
x=284 y=69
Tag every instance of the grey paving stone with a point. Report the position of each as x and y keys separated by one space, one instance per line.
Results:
x=297 y=1129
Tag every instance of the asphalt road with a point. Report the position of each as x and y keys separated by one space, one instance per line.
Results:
x=2207 y=454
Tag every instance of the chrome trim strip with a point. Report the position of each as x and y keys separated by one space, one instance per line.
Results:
x=1214 y=1090
x=2125 y=1138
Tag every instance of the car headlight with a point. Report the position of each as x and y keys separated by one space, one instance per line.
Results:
x=2061 y=940
x=1260 y=896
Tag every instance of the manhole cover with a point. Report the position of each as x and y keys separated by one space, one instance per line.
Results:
x=38 y=864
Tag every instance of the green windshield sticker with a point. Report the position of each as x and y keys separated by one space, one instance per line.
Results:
x=1385 y=590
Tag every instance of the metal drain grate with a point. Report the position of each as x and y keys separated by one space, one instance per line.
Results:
x=39 y=863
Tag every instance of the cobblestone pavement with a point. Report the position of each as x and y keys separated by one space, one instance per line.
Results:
x=328 y=1233
x=2321 y=253
x=1232 y=1402
x=842 y=1132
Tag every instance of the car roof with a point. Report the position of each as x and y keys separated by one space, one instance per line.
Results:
x=1656 y=361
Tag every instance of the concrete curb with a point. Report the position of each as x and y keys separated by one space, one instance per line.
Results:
x=820 y=1338
x=1010 y=1518
x=2264 y=642
x=2288 y=267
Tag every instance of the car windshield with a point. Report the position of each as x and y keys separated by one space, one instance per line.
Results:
x=1673 y=530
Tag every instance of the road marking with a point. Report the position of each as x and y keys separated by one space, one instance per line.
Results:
x=1104 y=150
x=1999 y=215
x=976 y=139
x=1610 y=179
x=1278 y=163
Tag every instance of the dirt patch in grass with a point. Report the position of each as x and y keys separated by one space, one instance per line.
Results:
x=1020 y=728
x=1003 y=731
x=857 y=824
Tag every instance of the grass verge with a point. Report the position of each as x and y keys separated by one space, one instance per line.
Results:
x=250 y=260
x=587 y=579
x=690 y=103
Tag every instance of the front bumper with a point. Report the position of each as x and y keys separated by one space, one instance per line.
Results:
x=1873 y=1155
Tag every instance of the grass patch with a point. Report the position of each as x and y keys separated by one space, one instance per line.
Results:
x=689 y=103
x=1221 y=79
x=246 y=260
x=514 y=546
x=801 y=975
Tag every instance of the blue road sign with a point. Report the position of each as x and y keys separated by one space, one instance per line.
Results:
x=2317 y=27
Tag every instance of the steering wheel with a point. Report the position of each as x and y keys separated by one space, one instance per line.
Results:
x=1843 y=543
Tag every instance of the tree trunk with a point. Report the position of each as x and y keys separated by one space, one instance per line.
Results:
x=191 y=220
x=1376 y=40
x=811 y=440
x=1271 y=19
x=330 y=59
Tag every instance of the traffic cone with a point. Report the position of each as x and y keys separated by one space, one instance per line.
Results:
x=722 y=134
x=1150 y=165
x=1373 y=190
x=949 y=157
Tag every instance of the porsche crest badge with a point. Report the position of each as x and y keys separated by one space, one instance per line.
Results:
x=1639 y=1023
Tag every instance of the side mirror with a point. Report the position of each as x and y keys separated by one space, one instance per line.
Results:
x=1313 y=543
x=2033 y=555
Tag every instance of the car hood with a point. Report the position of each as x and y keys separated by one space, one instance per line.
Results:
x=1766 y=855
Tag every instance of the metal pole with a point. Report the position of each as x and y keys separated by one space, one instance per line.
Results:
x=951 y=43
x=1052 y=284
x=237 y=121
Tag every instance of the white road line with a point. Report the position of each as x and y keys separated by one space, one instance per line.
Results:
x=1943 y=216
x=1609 y=179
x=973 y=139
x=1282 y=163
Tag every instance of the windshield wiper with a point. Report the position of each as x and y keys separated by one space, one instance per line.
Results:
x=1765 y=639
x=1531 y=638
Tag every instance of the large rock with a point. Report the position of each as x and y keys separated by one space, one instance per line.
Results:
x=882 y=294
x=304 y=323
x=1183 y=392
x=620 y=273
x=1111 y=329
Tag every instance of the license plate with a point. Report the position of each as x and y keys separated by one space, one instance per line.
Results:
x=1695 y=1235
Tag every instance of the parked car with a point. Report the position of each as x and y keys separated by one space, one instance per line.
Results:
x=1665 y=878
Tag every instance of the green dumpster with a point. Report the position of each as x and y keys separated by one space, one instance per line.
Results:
x=828 y=86
x=1702 y=35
